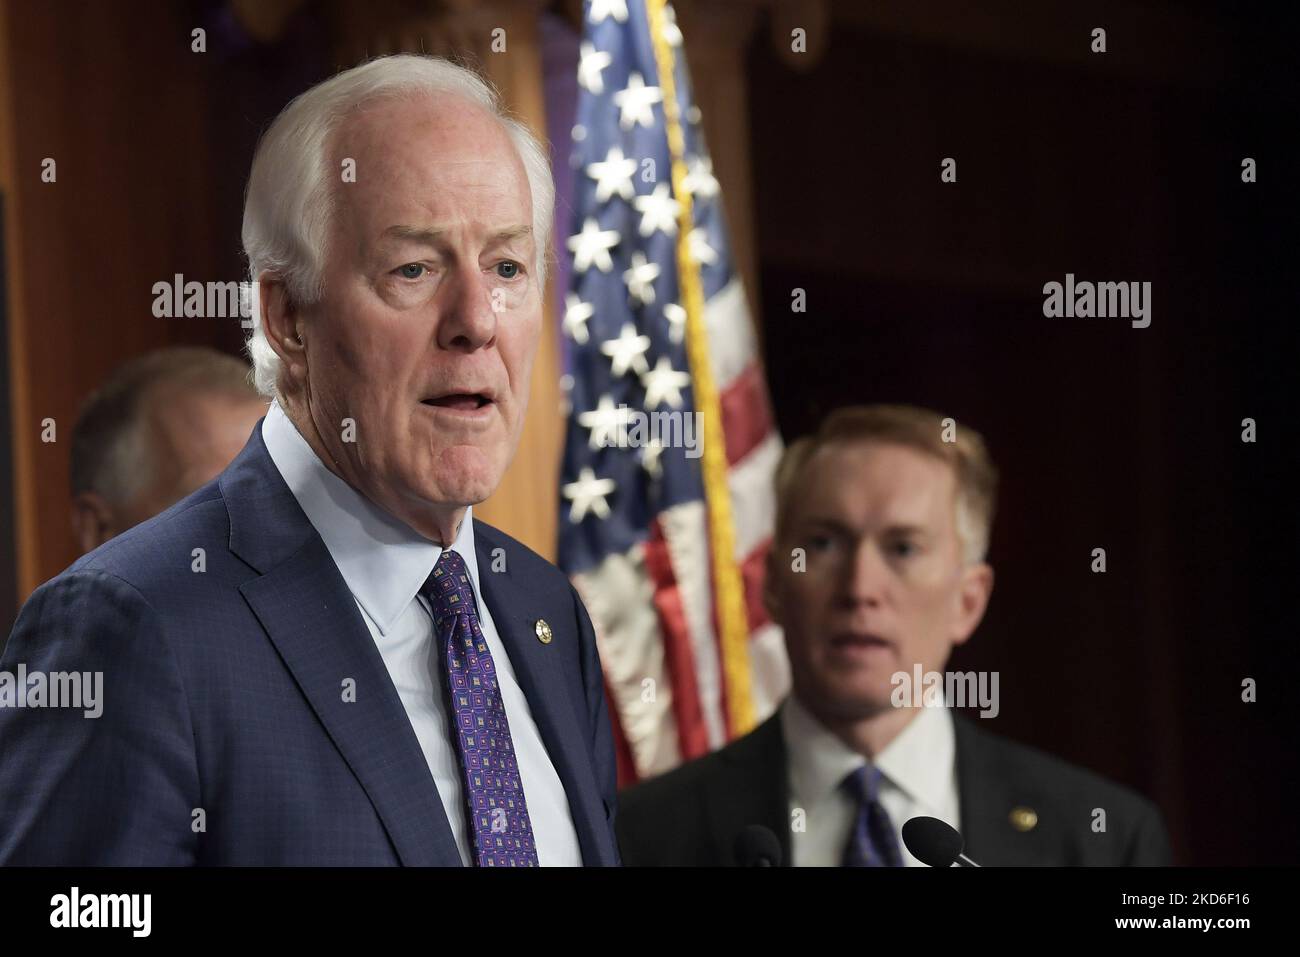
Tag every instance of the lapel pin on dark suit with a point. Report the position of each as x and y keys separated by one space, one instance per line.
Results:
x=543 y=631
x=1024 y=819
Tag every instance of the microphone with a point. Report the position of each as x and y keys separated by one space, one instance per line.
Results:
x=757 y=846
x=933 y=842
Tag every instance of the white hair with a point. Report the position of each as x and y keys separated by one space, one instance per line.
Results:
x=290 y=200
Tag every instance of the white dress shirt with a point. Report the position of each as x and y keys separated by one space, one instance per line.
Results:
x=384 y=562
x=919 y=769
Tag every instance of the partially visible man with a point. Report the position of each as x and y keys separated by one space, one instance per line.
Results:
x=878 y=569
x=161 y=426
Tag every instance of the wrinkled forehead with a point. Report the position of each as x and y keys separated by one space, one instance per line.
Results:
x=877 y=483
x=414 y=159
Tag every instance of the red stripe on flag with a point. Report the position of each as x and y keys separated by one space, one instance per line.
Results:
x=692 y=734
x=752 y=571
x=746 y=413
x=624 y=761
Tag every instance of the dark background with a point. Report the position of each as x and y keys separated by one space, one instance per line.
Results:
x=1105 y=435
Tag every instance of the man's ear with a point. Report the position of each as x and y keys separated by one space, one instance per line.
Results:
x=972 y=599
x=282 y=321
x=92 y=521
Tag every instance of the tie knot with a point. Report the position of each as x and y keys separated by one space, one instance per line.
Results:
x=448 y=587
x=449 y=562
x=864 y=784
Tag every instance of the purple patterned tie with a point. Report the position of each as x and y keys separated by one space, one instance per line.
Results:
x=872 y=842
x=503 y=835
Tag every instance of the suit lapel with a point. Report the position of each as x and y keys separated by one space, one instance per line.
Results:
x=987 y=798
x=543 y=672
x=753 y=789
x=310 y=616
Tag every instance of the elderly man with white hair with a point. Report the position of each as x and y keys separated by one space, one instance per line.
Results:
x=320 y=657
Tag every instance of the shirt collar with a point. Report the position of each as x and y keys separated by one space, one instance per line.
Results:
x=382 y=559
x=919 y=761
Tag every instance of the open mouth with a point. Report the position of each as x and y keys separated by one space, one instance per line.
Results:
x=853 y=640
x=460 y=401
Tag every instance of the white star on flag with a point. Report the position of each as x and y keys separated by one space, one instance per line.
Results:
x=592 y=245
x=658 y=211
x=590 y=67
x=635 y=103
x=698 y=246
x=627 y=351
x=650 y=458
x=700 y=180
x=588 y=495
x=676 y=317
x=640 y=279
x=613 y=175
x=672 y=33
x=600 y=9
x=576 y=314
x=663 y=383
x=605 y=421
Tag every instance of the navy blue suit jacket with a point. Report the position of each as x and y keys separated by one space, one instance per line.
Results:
x=225 y=737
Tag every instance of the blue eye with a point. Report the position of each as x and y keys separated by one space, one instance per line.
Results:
x=406 y=273
x=511 y=269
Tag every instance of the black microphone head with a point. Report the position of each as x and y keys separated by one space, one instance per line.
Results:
x=757 y=846
x=931 y=841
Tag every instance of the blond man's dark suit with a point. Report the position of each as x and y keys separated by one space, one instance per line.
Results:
x=691 y=815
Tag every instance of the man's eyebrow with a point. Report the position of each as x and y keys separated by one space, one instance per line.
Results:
x=509 y=235
x=823 y=521
x=903 y=528
x=432 y=237
x=897 y=528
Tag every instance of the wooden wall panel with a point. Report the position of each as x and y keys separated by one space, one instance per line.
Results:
x=116 y=100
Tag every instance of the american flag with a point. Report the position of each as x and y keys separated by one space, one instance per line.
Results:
x=664 y=540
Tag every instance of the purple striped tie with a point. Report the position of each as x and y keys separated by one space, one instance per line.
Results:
x=872 y=842
x=498 y=814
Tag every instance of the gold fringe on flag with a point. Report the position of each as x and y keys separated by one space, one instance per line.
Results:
x=729 y=591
